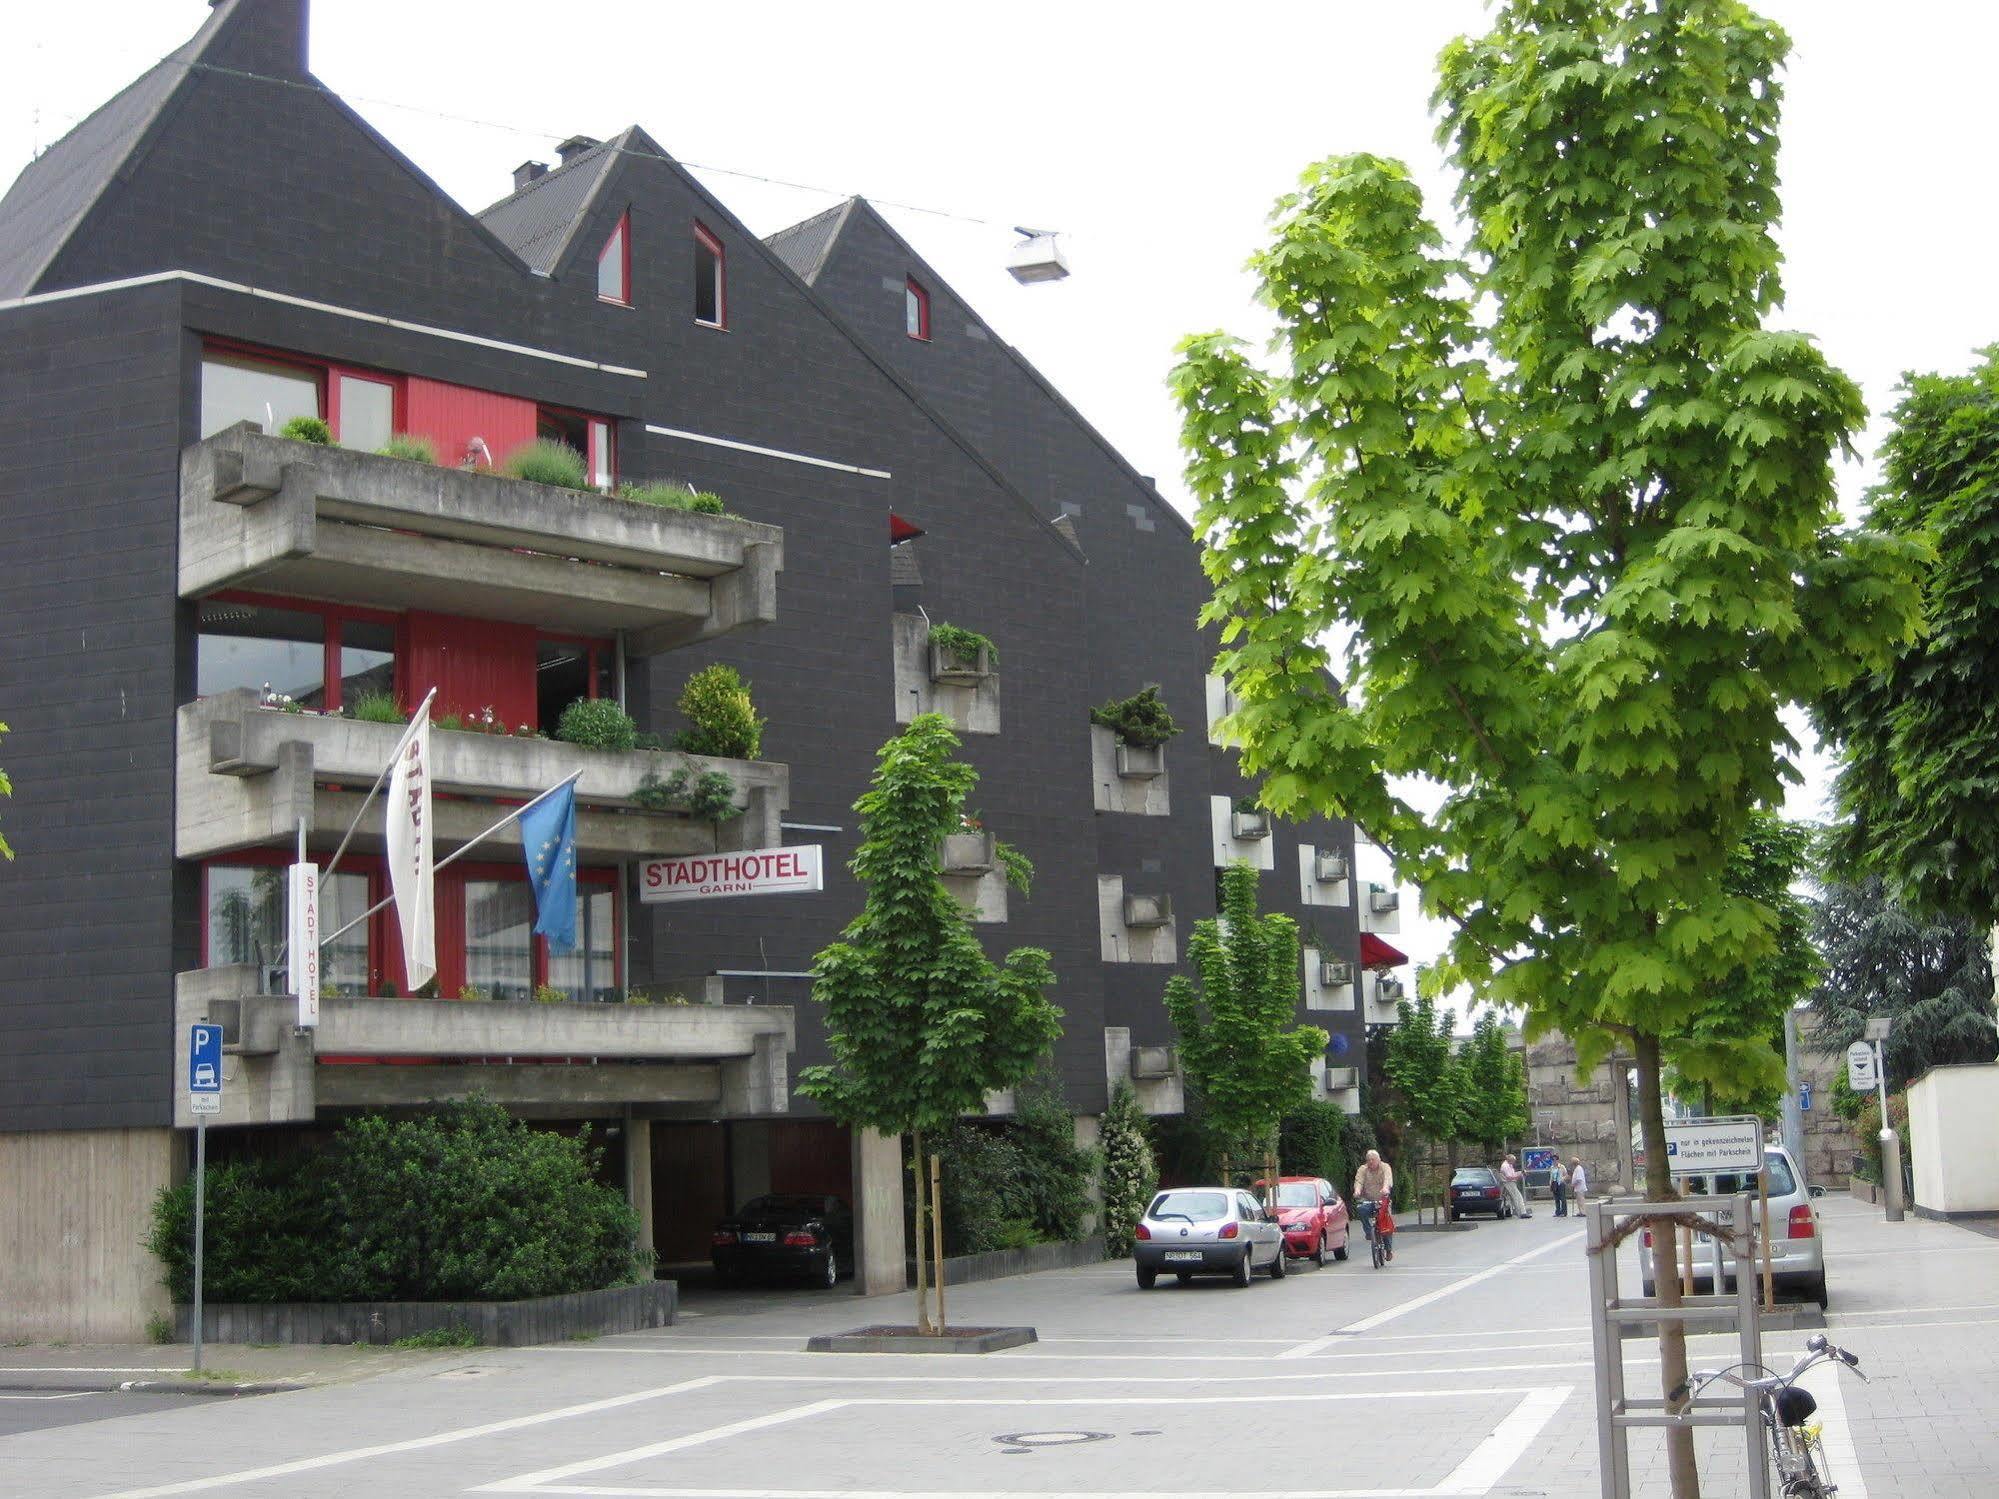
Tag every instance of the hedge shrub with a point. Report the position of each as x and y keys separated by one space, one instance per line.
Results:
x=597 y=723
x=721 y=718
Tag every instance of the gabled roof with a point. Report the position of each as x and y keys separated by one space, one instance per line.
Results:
x=55 y=190
x=804 y=245
x=538 y=221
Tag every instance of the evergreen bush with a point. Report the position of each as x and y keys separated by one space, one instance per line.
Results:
x=721 y=718
x=1126 y=1172
x=1141 y=720
x=597 y=723
x=546 y=462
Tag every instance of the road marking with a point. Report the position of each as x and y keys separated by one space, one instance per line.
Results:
x=1836 y=1437
x=1477 y=1475
x=1011 y=1357
x=413 y=1444
x=72 y=1395
x=84 y=1369
x=1368 y=1324
x=1319 y=1372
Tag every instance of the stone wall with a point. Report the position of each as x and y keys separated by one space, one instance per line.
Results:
x=1829 y=1140
x=1586 y=1119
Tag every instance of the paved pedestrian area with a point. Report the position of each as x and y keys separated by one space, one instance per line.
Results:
x=1462 y=1370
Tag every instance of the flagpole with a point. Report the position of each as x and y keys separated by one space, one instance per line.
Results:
x=422 y=712
x=453 y=858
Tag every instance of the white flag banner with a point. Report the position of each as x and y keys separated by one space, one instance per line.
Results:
x=410 y=855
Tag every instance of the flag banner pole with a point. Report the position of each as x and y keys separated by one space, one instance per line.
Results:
x=386 y=901
x=422 y=712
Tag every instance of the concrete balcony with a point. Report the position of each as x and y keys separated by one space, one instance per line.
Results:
x=1381 y=912
x=323 y=522
x=660 y=1059
x=1384 y=992
x=246 y=775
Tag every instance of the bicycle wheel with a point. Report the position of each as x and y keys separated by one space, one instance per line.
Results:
x=1380 y=1249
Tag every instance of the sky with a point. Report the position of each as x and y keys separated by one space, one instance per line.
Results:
x=1153 y=138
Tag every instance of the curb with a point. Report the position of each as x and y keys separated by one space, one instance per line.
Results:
x=152 y=1387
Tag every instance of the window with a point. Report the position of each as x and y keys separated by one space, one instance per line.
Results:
x=566 y=669
x=590 y=972
x=915 y=309
x=614 y=265
x=246 y=924
x=591 y=436
x=238 y=389
x=364 y=412
x=711 y=302
x=320 y=656
x=499 y=938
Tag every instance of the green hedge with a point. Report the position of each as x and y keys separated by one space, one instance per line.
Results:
x=461 y=1204
x=1011 y=1183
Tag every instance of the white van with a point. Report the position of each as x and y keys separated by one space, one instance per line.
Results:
x=1797 y=1252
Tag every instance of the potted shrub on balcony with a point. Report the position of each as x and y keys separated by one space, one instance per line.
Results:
x=1248 y=821
x=960 y=657
x=1142 y=912
x=1334 y=973
x=1142 y=725
x=1329 y=866
x=1381 y=898
x=972 y=850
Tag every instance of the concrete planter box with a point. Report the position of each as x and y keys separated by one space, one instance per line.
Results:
x=1380 y=899
x=245 y=774
x=967 y=853
x=1864 y=1191
x=1144 y=912
x=953 y=670
x=1248 y=826
x=1151 y=1063
x=498 y=1324
x=1335 y=973
x=998 y=1264
x=906 y=1339
x=327 y=522
x=1141 y=762
x=1329 y=867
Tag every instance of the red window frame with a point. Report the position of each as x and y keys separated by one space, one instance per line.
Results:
x=385 y=957
x=621 y=241
x=915 y=298
x=706 y=239
x=399 y=404
x=332 y=617
x=326 y=373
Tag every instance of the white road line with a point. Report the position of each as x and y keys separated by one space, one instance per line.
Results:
x=72 y=1395
x=528 y=1483
x=11 y=1369
x=1368 y=1324
x=1836 y=1436
x=1021 y=1358
x=1318 y=1373
x=413 y=1444
x=1491 y=1459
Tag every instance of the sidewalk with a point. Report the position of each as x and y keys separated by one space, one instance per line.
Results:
x=227 y=1368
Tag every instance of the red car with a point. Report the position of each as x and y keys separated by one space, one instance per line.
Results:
x=1313 y=1218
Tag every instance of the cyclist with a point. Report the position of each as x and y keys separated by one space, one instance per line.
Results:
x=1375 y=1182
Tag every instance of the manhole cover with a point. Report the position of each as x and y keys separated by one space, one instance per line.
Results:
x=1027 y=1441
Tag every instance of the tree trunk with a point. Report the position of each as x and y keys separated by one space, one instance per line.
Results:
x=937 y=1236
x=1680 y=1466
x=921 y=1247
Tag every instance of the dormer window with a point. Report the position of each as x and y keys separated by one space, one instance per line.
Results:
x=915 y=309
x=614 y=265
x=711 y=301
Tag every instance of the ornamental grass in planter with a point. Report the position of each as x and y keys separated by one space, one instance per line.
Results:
x=545 y=462
x=960 y=657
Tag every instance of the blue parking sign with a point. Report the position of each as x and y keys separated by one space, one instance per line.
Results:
x=204 y=1059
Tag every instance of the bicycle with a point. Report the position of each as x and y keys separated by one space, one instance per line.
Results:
x=1791 y=1437
x=1376 y=1242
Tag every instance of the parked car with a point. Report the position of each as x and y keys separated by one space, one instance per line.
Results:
x=785 y=1234
x=1476 y=1189
x=1313 y=1217
x=1797 y=1253
x=1190 y=1231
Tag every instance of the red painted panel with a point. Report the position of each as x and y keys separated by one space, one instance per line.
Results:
x=452 y=415
x=473 y=663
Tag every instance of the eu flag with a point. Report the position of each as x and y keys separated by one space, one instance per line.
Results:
x=548 y=836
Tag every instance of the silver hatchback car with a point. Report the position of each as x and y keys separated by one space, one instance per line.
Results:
x=1797 y=1253
x=1190 y=1231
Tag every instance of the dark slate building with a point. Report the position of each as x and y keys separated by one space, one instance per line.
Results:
x=206 y=620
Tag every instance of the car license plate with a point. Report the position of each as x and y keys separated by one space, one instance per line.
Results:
x=759 y=1238
x=1183 y=1254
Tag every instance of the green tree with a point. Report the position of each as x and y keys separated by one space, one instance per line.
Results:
x=1569 y=506
x=1919 y=768
x=921 y=1024
x=1240 y=1045
x=1422 y=1065
x=1931 y=976
x=1495 y=1107
x=1126 y=1171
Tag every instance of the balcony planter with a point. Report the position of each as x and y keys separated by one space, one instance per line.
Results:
x=950 y=669
x=1142 y=912
x=1335 y=973
x=1151 y=1063
x=1248 y=826
x=967 y=853
x=1381 y=899
x=1329 y=866
x=1340 y=1078
x=1140 y=762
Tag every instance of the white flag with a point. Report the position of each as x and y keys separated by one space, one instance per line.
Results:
x=410 y=855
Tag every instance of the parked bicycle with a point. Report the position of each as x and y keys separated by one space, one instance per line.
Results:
x=1377 y=1242
x=1791 y=1436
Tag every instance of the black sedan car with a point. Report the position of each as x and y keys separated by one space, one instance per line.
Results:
x=785 y=1234
x=1476 y=1189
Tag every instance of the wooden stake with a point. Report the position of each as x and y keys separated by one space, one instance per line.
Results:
x=1687 y=1262
x=937 y=1234
x=1763 y=1201
x=918 y=1248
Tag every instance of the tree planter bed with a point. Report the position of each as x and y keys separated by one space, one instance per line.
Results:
x=497 y=1324
x=890 y=1338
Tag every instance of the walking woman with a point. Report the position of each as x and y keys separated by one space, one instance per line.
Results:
x=1578 y=1182
x=1558 y=1188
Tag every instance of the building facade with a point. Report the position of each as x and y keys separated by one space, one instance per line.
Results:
x=200 y=608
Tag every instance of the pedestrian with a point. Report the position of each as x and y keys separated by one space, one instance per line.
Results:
x=1558 y=1188
x=1509 y=1178
x=1375 y=1183
x=1578 y=1182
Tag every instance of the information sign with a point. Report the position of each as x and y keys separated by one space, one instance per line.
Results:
x=204 y=1068
x=303 y=941
x=1860 y=1071
x=1697 y=1147
x=1538 y=1158
x=755 y=871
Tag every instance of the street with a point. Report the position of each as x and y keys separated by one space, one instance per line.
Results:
x=1462 y=1369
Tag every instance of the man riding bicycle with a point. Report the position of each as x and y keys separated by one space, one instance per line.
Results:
x=1375 y=1183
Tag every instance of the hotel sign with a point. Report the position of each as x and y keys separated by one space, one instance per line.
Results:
x=756 y=871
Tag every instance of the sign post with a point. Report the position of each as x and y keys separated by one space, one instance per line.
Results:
x=1891 y=1139
x=204 y=1097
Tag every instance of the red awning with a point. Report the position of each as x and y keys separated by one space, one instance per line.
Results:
x=1374 y=953
x=900 y=530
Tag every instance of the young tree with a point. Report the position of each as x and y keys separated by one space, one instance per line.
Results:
x=1240 y=1046
x=1582 y=546
x=1126 y=1171
x=1495 y=1108
x=920 y=1022
x=1932 y=978
x=1920 y=737
x=1421 y=1063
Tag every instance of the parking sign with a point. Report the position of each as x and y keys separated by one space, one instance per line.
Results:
x=204 y=1068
